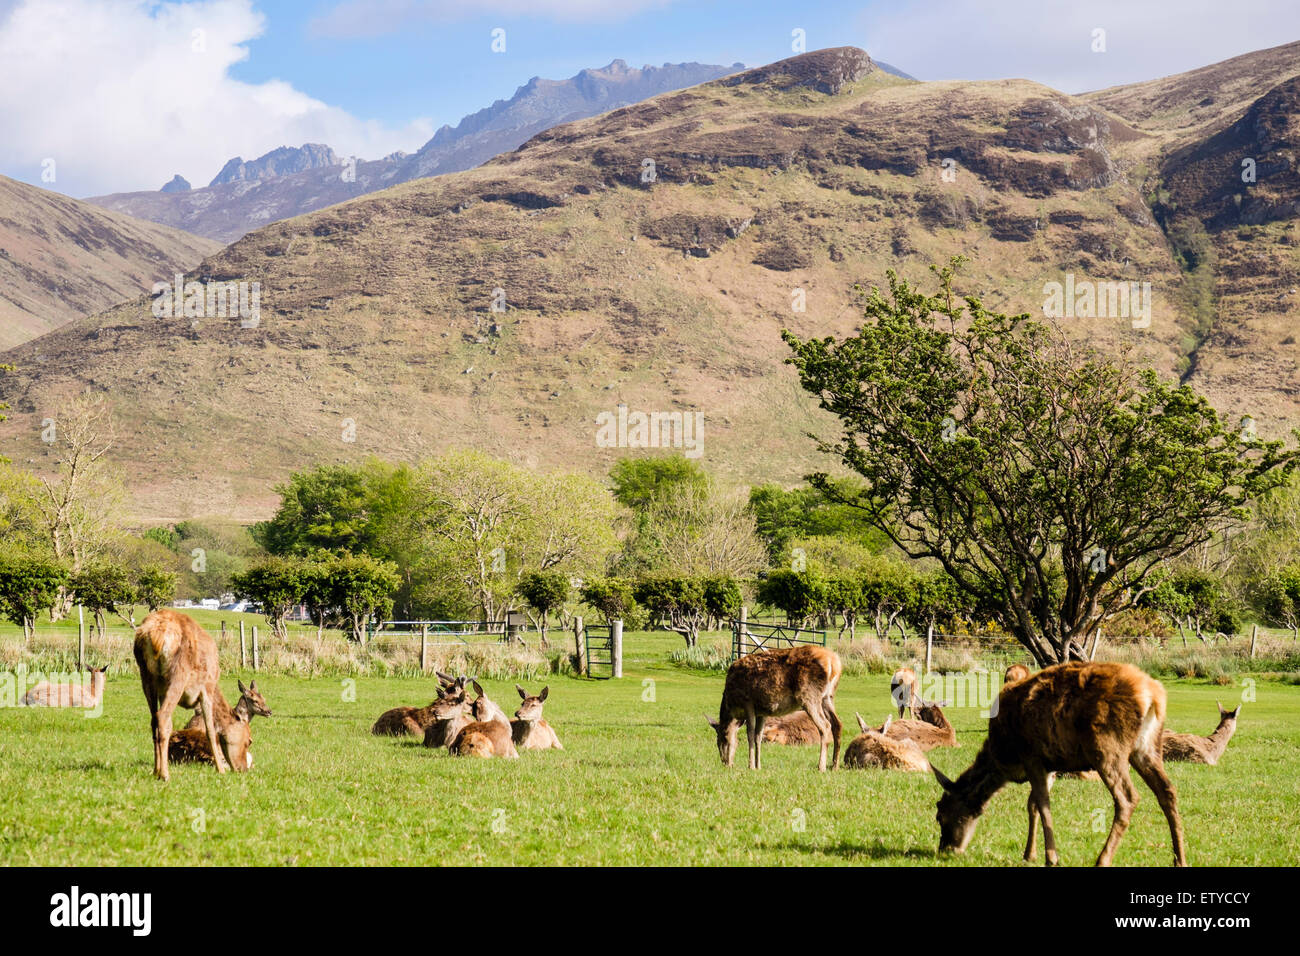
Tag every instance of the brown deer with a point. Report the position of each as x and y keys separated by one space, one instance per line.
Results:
x=88 y=695
x=178 y=667
x=490 y=738
x=902 y=688
x=792 y=730
x=251 y=704
x=1016 y=672
x=190 y=744
x=485 y=709
x=414 y=721
x=1196 y=749
x=929 y=731
x=1069 y=717
x=448 y=716
x=529 y=730
x=875 y=749
x=774 y=683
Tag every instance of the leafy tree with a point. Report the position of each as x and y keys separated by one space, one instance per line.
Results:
x=103 y=587
x=29 y=586
x=545 y=591
x=277 y=584
x=843 y=594
x=334 y=508
x=638 y=481
x=802 y=595
x=937 y=601
x=722 y=598
x=782 y=516
x=363 y=588
x=675 y=602
x=686 y=529
x=1196 y=600
x=167 y=537
x=613 y=598
x=887 y=592
x=155 y=586
x=1278 y=596
x=1048 y=481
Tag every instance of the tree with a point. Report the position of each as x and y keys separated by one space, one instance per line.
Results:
x=1278 y=597
x=722 y=598
x=781 y=517
x=155 y=586
x=1047 y=481
x=696 y=532
x=278 y=585
x=29 y=586
x=675 y=602
x=103 y=587
x=937 y=601
x=638 y=481
x=1195 y=599
x=613 y=598
x=545 y=591
x=801 y=595
x=363 y=588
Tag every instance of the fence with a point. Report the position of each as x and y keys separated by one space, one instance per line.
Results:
x=750 y=636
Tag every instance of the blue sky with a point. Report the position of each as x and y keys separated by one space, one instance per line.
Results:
x=114 y=95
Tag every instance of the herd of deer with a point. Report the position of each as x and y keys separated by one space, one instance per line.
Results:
x=1080 y=718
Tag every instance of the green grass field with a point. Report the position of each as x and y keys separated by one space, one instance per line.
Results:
x=639 y=783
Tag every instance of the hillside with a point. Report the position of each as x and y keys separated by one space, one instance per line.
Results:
x=669 y=295
x=290 y=181
x=60 y=258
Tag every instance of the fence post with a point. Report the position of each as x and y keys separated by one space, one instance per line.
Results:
x=243 y=648
x=223 y=632
x=743 y=636
x=424 y=648
x=1254 y=633
x=616 y=646
x=580 y=639
x=929 y=645
x=255 y=656
x=1096 y=640
x=81 y=637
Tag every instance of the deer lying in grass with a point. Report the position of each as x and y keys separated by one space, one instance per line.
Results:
x=448 y=715
x=773 y=683
x=1205 y=750
x=529 y=730
x=178 y=667
x=190 y=744
x=413 y=721
x=931 y=730
x=876 y=749
x=489 y=734
x=792 y=730
x=902 y=688
x=251 y=704
x=1016 y=672
x=86 y=695
x=1069 y=717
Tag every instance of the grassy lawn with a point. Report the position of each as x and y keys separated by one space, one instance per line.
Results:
x=639 y=782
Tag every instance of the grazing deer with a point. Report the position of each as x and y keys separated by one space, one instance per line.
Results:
x=190 y=744
x=774 y=683
x=1196 y=749
x=414 y=721
x=529 y=730
x=178 y=667
x=930 y=730
x=89 y=696
x=1016 y=672
x=902 y=688
x=875 y=749
x=489 y=738
x=792 y=730
x=251 y=704
x=449 y=715
x=1069 y=717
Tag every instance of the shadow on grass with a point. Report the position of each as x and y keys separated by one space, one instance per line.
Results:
x=852 y=851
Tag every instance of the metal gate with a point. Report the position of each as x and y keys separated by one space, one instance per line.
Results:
x=747 y=637
x=600 y=649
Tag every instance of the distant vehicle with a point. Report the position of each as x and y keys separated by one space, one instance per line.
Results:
x=240 y=607
x=210 y=604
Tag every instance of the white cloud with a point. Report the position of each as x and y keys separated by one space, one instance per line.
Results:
x=352 y=18
x=123 y=94
x=1051 y=41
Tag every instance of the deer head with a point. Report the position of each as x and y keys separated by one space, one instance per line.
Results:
x=955 y=818
x=727 y=734
x=1227 y=716
x=481 y=709
x=531 y=708
x=236 y=743
x=253 y=700
x=447 y=707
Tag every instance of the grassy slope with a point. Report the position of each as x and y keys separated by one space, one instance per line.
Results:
x=639 y=783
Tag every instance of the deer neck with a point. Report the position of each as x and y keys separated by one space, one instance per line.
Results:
x=1217 y=742
x=244 y=710
x=222 y=715
x=980 y=781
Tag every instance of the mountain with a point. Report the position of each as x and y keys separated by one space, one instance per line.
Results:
x=290 y=181
x=650 y=256
x=60 y=257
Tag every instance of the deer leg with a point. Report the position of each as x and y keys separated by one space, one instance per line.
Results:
x=1040 y=788
x=750 y=721
x=1152 y=771
x=828 y=707
x=759 y=720
x=210 y=726
x=1121 y=788
x=162 y=729
x=814 y=711
x=1030 y=842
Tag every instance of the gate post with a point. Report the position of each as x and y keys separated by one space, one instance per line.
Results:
x=743 y=634
x=580 y=638
x=424 y=648
x=929 y=644
x=616 y=646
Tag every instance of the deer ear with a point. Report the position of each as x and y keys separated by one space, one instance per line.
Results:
x=477 y=689
x=542 y=695
x=523 y=694
x=712 y=722
x=943 y=781
x=888 y=720
x=252 y=685
x=242 y=688
x=861 y=723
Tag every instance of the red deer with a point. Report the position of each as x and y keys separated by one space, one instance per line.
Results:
x=931 y=730
x=902 y=688
x=251 y=704
x=1069 y=717
x=190 y=745
x=875 y=749
x=1016 y=672
x=529 y=730
x=178 y=667
x=1196 y=749
x=792 y=730
x=484 y=709
x=774 y=683
x=414 y=721
x=89 y=695
x=490 y=738
x=448 y=716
